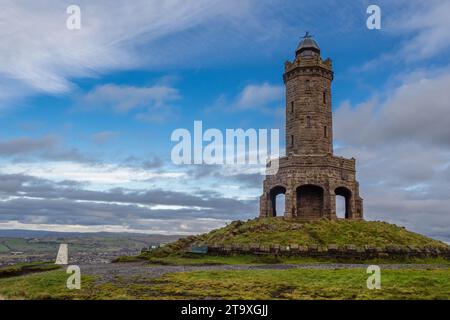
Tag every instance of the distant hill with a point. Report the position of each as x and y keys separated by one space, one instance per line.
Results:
x=14 y=233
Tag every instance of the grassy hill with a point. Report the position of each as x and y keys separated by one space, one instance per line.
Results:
x=324 y=232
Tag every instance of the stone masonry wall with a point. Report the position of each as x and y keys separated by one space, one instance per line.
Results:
x=314 y=179
x=309 y=110
x=349 y=252
x=311 y=176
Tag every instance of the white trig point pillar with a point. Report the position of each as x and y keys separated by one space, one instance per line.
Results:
x=63 y=255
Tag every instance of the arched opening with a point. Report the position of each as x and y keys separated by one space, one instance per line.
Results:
x=343 y=198
x=341 y=207
x=309 y=201
x=280 y=204
x=277 y=198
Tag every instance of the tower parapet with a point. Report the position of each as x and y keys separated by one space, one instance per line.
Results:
x=314 y=62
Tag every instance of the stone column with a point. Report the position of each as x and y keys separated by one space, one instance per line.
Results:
x=352 y=208
x=359 y=214
x=289 y=204
x=263 y=205
x=332 y=210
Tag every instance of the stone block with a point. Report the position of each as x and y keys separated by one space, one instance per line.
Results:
x=333 y=247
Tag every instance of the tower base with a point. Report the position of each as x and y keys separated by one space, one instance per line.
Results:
x=310 y=185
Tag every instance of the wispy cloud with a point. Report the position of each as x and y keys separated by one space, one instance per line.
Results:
x=146 y=226
x=429 y=25
x=151 y=104
x=47 y=147
x=420 y=29
x=259 y=96
x=39 y=54
x=402 y=148
x=263 y=97
x=33 y=202
x=104 y=137
x=99 y=174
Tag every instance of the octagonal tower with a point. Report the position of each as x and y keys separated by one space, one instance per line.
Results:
x=310 y=175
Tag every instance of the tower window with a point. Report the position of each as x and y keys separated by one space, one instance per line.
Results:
x=292 y=140
x=325 y=132
x=308 y=122
x=324 y=97
x=308 y=85
x=292 y=107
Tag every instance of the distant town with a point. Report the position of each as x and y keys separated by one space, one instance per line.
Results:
x=17 y=246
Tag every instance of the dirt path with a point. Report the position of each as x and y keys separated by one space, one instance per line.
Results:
x=112 y=271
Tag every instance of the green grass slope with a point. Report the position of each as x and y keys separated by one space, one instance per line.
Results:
x=323 y=232
x=326 y=284
x=26 y=268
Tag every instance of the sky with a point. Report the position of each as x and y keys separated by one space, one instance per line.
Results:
x=86 y=115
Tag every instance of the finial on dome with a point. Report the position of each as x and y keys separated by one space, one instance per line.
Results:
x=307 y=35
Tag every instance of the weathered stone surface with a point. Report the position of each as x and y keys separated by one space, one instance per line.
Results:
x=333 y=247
x=331 y=251
x=275 y=248
x=360 y=250
x=310 y=175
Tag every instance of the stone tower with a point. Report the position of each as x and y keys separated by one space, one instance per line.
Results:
x=310 y=176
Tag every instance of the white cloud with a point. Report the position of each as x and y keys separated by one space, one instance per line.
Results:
x=47 y=147
x=258 y=96
x=263 y=97
x=430 y=24
x=416 y=111
x=124 y=99
x=403 y=153
x=38 y=53
x=146 y=226
x=149 y=104
x=98 y=175
x=420 y=29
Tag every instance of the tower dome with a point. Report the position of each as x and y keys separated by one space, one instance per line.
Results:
x=308 y=46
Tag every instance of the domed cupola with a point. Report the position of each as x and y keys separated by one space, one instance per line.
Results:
x=308 y=47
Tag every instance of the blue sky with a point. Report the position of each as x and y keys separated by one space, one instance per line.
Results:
x=87 y=115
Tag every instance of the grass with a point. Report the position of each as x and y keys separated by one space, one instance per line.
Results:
x=24 y=245
x=240 y=285
x=432 y=283
x=41 y=286
x=205 y=260
x=322 y=232
x=26 y=268
x=286 y=232
x=306 y=284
